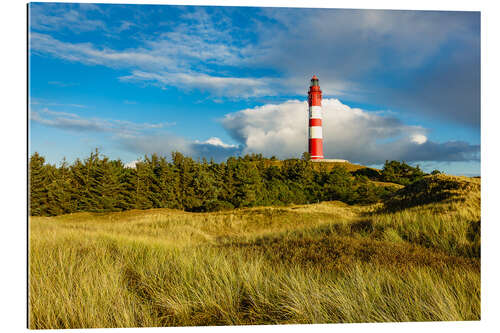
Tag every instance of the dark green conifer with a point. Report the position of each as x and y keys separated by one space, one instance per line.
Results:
x=39 y=180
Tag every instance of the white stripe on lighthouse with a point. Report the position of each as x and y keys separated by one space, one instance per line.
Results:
x=315 y=132
x=315 y=112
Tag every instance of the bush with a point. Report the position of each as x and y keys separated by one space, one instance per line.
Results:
x=401 y=173
x=427 y=190
x=368 y=172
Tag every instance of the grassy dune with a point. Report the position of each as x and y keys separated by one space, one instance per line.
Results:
x=407 y=260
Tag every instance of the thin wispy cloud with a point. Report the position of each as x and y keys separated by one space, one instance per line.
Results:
x=76 y=18
x=44 y=102
x=74 y=122
x=138 y=138
x=174 y=58
x=235 y=87
x=158 y=64
x=87 y=53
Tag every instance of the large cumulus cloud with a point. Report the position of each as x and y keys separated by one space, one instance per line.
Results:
x=279 y=130
x=349 y=133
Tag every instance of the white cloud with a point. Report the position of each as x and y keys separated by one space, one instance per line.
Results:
x=74 y=122
x=166 y=143
x=131 y=164
x=215 y=141
x=419 y=138
x=184 y=57
x=349 y=133
x=88 y=54
x=166 y=62
x=50 y=17
x=197 y=41
x=235 y=87
x=77 y=18
x=44 y=102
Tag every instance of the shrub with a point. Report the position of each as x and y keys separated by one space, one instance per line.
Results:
x=401 y=173
x=429 y=189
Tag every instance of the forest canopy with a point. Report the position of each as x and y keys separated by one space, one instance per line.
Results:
x=99 y=184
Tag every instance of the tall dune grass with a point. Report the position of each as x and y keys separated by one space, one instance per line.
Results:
x=323 y=263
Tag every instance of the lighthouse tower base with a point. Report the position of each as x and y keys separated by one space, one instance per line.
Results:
x=330 y=160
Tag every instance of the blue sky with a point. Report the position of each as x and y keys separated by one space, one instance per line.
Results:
x=221 y=81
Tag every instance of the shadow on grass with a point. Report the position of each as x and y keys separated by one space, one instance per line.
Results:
x=334 y=253
x=431 y=189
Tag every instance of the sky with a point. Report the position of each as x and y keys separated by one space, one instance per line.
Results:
x=216 y=82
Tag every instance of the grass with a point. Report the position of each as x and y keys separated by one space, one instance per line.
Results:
x=328 y=166
x=320 y=263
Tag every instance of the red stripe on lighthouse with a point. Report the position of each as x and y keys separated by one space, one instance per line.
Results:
x=315 y=122
x=315 y=96
x=316 y=149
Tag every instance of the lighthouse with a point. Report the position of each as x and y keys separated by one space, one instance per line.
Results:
x=315 y=121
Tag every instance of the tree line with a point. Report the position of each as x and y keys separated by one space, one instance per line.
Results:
x=99 y=184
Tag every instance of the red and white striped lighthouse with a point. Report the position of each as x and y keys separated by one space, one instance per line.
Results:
x=315 y=121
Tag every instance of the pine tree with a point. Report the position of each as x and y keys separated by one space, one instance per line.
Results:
x=166 y=182
x=108 y=189
x=186 y=171
x=205 y=189
x=248 y=183
x=127 y=178
x=39 y=180
x=142 y=179
x=60 y=194
x=86 y=176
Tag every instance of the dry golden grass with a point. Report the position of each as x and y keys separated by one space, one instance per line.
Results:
x=320 y=263
x=328 y=166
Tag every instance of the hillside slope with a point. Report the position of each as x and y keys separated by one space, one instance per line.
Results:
x=320 y=263
x=328 y=166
